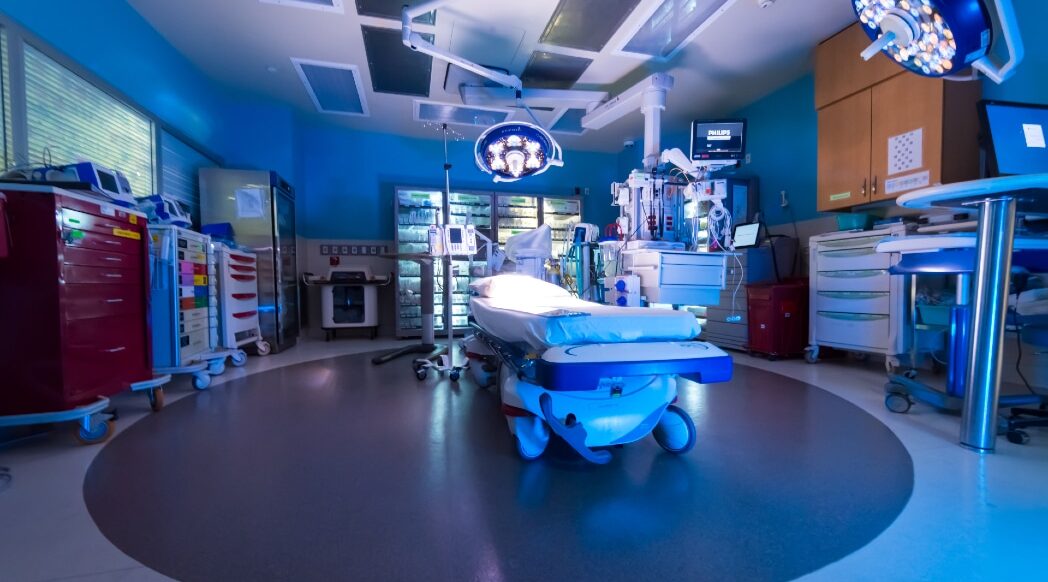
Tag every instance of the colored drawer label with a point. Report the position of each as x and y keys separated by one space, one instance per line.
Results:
x=200 y=280
x=133 y=218
x=124 y=233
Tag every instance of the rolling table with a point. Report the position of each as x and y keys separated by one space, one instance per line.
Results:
x=998 y=200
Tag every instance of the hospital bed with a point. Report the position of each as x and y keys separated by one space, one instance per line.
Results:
x=955 y=254
x=595 y=375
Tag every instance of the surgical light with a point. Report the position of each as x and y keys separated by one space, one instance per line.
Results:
x=514 y=150
x=938 y=38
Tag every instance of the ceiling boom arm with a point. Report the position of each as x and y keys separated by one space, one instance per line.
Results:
x=415 y=42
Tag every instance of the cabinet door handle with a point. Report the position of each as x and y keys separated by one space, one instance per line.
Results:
x=874 y=192
x=864 y=187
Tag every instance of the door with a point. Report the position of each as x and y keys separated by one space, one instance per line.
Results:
x=907 y=135
x=287 y=267
x=844 y=152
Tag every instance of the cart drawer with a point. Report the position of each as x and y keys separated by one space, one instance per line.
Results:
x=193 y=325
x=870 y=280
x=93 y=258
x=193 y=314
x=193 y=343
x=75 y=238
x=852 y=259
x=854 y=302
x=240 y=284
x=72 y=274
x=74 y=219
x=94 y=301
x=853 y=329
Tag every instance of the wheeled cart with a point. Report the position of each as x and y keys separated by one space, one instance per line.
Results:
x=184 y=305
x=236 y=273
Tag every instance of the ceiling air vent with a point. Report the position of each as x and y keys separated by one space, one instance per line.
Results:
x=333 y=87
x=431 y=111
x=325 y=5
x=394 y=67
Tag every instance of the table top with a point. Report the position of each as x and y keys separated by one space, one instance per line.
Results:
x=1030 y=192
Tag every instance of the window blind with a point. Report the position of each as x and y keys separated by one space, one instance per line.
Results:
x=76 y=121
x=179 y=173
x=5 y=77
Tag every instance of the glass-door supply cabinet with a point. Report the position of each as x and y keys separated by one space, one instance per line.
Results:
x=495 y=215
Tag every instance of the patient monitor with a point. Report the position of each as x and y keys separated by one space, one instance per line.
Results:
x=452 y=240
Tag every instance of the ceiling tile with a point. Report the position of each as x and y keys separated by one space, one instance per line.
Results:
x=586 y=24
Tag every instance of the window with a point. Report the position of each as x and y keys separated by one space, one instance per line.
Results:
x=74 y=121
x=7 y=149
x=179 y=172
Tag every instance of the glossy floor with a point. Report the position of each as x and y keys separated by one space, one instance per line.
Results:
x=970 y=516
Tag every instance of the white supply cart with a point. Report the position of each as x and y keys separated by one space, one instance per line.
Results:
x=855 y=304
x=238 y=325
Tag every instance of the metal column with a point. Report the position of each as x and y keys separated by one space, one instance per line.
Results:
x=992 y=269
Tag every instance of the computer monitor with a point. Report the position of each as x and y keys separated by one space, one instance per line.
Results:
x=718 y=140
x=1014 y=137
x=747 y=236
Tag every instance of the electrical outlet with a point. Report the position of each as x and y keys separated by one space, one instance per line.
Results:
x=749 y=159
x=784 y=201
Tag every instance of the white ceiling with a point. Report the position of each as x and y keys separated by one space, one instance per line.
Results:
x=748 y=52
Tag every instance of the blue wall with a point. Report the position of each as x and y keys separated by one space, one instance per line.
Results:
x=112 y=41
x=349 y=177
x=782 y=142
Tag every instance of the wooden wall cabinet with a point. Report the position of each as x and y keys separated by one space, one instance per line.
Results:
x=900 y=133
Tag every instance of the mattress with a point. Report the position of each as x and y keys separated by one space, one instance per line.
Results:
x=559 y=321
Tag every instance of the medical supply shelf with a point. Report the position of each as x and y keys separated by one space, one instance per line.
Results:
x=184 y=304
x=855 y=304
x=237 y=279
x=73 y=302
x=496 y=216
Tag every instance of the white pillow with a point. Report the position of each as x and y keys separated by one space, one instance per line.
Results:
x=515 y=286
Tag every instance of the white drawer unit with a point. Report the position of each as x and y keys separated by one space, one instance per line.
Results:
x=237 y=299
x=856 y=304
x=677 y=277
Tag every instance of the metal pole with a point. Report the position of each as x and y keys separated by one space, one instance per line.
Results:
x=993 y=266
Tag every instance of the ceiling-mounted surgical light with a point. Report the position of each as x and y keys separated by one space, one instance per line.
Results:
x=938 y=38
x=514 y=150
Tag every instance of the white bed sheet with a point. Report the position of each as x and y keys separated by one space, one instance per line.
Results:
x=514 y=322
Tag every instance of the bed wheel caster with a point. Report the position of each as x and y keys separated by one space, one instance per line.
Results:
x=898 y=402
x=454 y=375
x=421 y=373
x=675 y=431
x=1018 y=437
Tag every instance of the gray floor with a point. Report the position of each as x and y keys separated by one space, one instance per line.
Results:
x=334 y=469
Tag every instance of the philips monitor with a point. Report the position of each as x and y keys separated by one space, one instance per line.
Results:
x=1014 y=137
x=723 y=140
x=747 y=236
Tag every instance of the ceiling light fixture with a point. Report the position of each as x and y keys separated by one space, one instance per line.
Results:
x=514 y=150
x=938 y=38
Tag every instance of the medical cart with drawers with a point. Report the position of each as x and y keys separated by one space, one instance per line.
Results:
x=73 y=303
x=237 y=278
x=856 y=305
x=184 y=304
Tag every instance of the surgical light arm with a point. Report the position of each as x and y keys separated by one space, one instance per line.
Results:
x=1007 y=25
x=415 y=42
